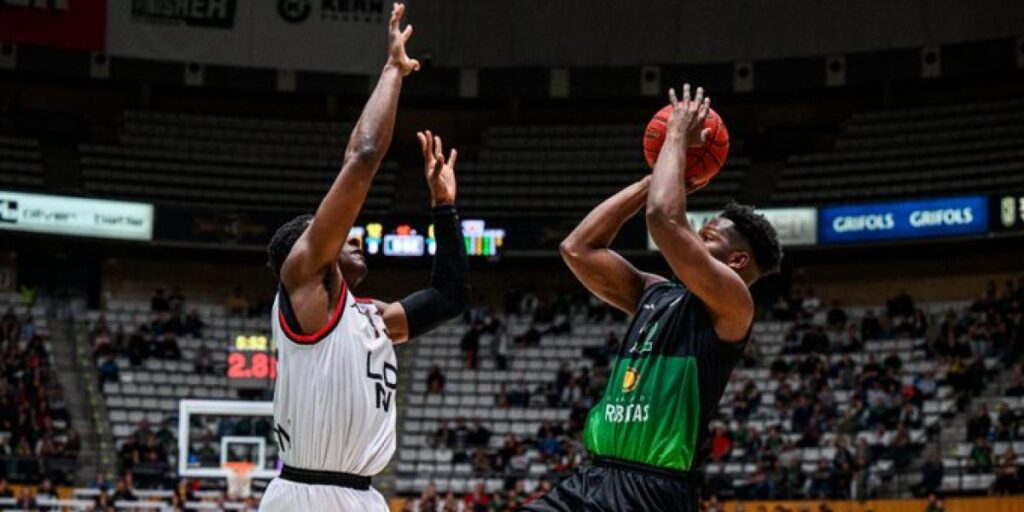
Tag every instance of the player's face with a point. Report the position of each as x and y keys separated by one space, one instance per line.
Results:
x=716 y=235
x=351 y=262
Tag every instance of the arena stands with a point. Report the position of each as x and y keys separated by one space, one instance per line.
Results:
x=941 y=150
x=37 y=441
x=20 y=163
x=177 y=158
x=567 y=169
x=814 y=412
x=149 y=358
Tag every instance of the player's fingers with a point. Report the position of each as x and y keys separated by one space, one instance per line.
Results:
x=438 y=147
x=406 y=33
x=699 y=98
x=423 y=142
x=704 y=135
x=686 y=94
x=415 y=64
x=395 y=16
x=452 y=157
x=705 y=108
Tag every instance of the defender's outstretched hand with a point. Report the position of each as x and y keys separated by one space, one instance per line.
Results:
x=687 y=118
x=396 y=42
x=440 y=172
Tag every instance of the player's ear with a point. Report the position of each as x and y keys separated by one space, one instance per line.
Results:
x=738 y=260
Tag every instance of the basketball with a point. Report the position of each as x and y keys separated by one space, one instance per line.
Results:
x=702 y=163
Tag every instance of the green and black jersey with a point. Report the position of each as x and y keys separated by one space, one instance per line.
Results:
x=665 y=384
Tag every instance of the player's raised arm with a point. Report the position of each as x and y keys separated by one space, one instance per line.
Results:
x=721 y=288
x=601 y=270
x=318 y=247
x=448 y=292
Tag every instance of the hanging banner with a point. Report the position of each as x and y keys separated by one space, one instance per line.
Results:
x=74 y=24
x=929 y=218
x=333 y=36
x=75 y=216
x=795 y=226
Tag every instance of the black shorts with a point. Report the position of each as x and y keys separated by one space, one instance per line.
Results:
x=618 y=486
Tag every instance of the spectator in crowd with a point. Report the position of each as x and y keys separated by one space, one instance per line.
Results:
x=5 y=491
x=108 y=370
x=237 y=304
x=46 y=490
x=159 y=303
x=931 y=475
x=980 y=424
x=123 y=492
x=478 y=500
x=836 y=317
x=934 y=504
x=870 y=326
x=26 y=501
x=1007 y=473
x=176 y=302
x=470 y=344
x=435 y=380
x=980 y=459
x=100 y=482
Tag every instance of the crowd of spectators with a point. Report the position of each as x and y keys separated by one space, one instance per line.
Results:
x=816 y=362
x=477 y=500
x=31 y=405
x=157 y=337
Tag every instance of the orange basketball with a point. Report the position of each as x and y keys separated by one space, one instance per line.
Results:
x=702 y=163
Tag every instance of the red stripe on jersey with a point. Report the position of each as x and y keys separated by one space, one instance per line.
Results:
x=309 y=339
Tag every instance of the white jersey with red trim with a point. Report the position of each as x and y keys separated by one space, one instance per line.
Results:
x=334 y=401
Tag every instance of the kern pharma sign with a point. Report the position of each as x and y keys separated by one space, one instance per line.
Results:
x=75 y=216
x=344 y=36
x=795 y=226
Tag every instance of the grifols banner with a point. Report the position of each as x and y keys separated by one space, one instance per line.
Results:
x=347 y=36
x=74 y=24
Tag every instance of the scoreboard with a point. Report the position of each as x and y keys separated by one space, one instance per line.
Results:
x=252 y=362
x=1008 y=212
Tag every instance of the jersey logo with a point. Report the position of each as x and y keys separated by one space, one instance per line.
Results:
x=648 y=343
x=630 y=379
x=386 y=382
x=366 y=311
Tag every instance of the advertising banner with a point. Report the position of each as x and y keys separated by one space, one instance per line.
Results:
x=795 y=226
x=75 y=216
x=931 y=218
x=334 y=36
x=73 y=24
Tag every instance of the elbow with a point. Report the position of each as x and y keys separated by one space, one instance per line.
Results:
x=362 y=153
x=656 y=217
x=568 y=249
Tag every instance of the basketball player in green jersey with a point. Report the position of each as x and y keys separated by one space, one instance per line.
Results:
x=649 y=432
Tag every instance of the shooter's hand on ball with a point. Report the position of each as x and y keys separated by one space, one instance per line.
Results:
x=396 y=42
x=686 y=124
x=440 y=172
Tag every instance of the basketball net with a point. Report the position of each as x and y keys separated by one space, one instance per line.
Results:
x=239 y=479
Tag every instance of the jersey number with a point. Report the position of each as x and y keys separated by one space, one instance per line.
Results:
x=385 y=382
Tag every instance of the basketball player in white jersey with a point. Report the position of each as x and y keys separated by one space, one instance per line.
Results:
x=334 y=401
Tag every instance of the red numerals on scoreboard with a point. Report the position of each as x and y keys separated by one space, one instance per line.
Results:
x=251 y=365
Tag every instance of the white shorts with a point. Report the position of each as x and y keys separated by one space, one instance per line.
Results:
x=287 y=496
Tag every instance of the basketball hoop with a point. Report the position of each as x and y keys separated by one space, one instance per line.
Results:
x=239 y=479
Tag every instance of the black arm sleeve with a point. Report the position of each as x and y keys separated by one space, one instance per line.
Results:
x=448 y=293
